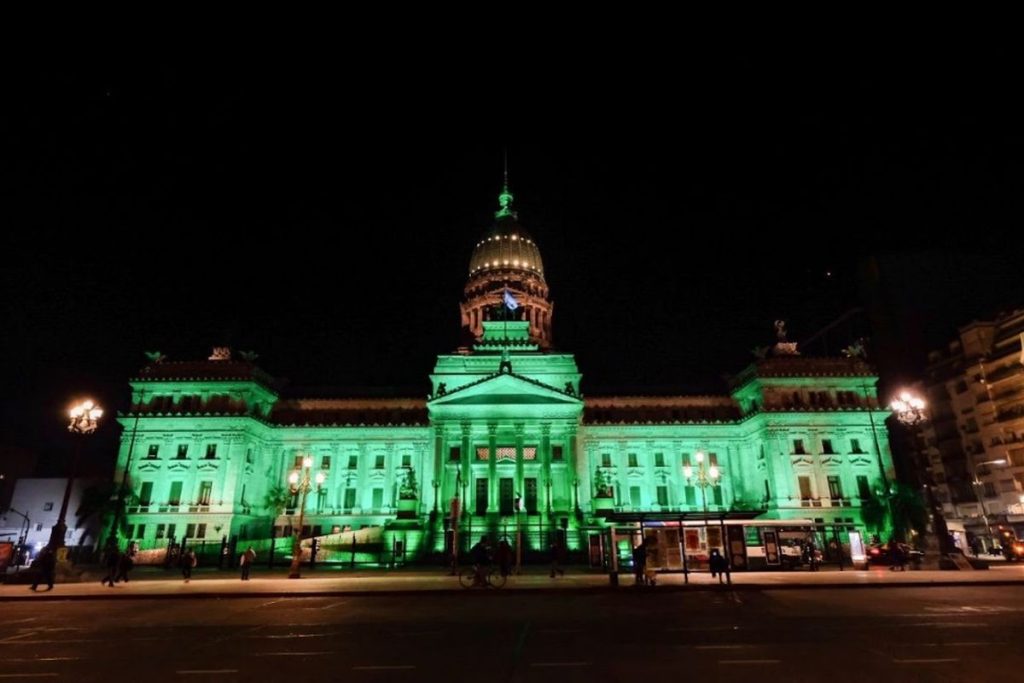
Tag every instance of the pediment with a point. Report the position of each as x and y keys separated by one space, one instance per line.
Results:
x=504 y=390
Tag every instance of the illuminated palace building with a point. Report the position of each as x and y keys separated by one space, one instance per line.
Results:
x=505 y=430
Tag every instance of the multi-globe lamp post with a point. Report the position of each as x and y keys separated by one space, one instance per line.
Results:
x=910 y=411
x=300 y=482
x=84 y=420
x=704 y=477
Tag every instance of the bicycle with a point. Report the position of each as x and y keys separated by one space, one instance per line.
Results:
x=492 y=578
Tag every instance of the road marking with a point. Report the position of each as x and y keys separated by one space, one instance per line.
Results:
x=548 y=664
x=273 y=602
x=41 y=659
x=748 y=661
x=924 y=661
x=384 y=667
x=276 y=636
x=735 y=597
x=947 y=624
x=333 y=604
x=20 y=635
x=205 y=672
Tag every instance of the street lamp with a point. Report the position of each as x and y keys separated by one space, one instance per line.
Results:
x=702 y=477
x=299 y=482
x=977 y=485
x=910 y=411
x=84 y=419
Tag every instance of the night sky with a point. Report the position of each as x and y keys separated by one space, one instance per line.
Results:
x=325 y=220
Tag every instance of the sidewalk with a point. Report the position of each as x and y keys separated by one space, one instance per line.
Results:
x=153 y=584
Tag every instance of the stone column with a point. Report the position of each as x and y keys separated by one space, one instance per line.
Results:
x=492 y=468
x=545 y=454
x=519 y=429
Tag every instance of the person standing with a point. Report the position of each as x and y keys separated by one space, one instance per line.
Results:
x=46 y=564
x=556 y=557
x=188 y=563
x=248 y=557
x=640 y=563
x=113 y=565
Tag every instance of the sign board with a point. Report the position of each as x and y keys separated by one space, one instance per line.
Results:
x=737 y=546
x=771 y=548
x=6 y=555
x=857 y=553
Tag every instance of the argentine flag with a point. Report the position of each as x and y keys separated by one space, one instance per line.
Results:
x=509 y=300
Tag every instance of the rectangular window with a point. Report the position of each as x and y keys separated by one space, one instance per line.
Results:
x=47 y=507
x=130 y=530
x=171 y=528
x=481 y=495
x=713 y=459
x=855 y=446
x=182 y=451
x=378 y=463
x=863 y=487
x=529 y=452
x=662 y=496
x=826 y=446
x=659 y=459
x=201 y=531
x=455 y=454
x=248 y=456
x=353 y=462
x=691 y=496
x=556 y=453
x=205 y=492
x=153 y=451
x=835 y=488
x=350 y=499
x=406 y=461
x=146 y=494
x=161 y=529
x=1015 y=456
x=174 y=497
x=606 y=460
x=325 y=462
x=990 y=490
x=798 y=447
x=378 y=498
x=505 y=453
x=686 y=459
x=141 y=532
x=190 y=530
x=767 y=490
x=716 y=495
x=634 y=497
x=298 y=461
x=211 y=451
x=632 y=460
x=805 y=487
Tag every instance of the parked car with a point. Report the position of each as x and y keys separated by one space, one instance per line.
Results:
x=880 y=553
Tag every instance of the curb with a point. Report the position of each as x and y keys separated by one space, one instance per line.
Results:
x=48 y=596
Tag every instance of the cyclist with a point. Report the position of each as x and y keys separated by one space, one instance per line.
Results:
x=481 y=556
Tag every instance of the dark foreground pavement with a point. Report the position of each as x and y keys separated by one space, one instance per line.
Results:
x=969 y=633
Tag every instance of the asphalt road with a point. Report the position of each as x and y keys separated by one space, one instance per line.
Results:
x=913 y=634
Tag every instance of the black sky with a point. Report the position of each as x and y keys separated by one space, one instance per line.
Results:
x=325 y=218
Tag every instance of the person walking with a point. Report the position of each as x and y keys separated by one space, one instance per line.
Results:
x=503 y=556
x=556 y=557
x=188 y=563
x=46 y=565
x=716 y=563
x=248 y=557
x=124 y=565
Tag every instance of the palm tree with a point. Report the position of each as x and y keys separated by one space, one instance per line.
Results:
x=276 y=500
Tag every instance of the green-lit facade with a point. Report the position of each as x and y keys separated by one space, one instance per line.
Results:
x=505 y=421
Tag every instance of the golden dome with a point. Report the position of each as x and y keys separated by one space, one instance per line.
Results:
x=506 y=247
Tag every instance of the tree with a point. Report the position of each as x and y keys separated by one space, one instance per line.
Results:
x=410 y=488
x=909 y=510
x=103 y=502
x=276 y=500
x=873 y=512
